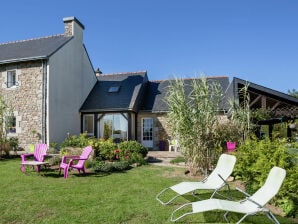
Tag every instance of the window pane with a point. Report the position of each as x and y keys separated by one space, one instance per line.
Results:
x=11 y=124
x=114 y=126
x=11 y=78
x=89 y=124
x=147 y=129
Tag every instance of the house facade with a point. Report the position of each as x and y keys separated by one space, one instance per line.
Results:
x=53 y=90
x=45 y=81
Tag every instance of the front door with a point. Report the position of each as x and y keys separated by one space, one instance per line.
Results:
x=147 y=132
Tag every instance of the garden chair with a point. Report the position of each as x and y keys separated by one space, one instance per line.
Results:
x=251 y=205
x=40 y=151
x=173 y=144
x=76 y=162
x=215 y=181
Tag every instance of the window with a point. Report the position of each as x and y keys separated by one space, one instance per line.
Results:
x=88 y=124
x=114 y=126
x=11 y=124
x=114 y=89
x=147 y=129
x=11 y=78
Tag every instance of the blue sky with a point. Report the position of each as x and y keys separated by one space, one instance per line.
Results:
x=256 y=40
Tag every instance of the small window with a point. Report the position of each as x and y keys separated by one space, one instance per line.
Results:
x=11 y=124
x=114 y=89
x=88 y=124
x=11 y=78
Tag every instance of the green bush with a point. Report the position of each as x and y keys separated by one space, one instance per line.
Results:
x=131 y=151
x=254 y=161
x=107 y=167
x=75 y=141
x=107 y=150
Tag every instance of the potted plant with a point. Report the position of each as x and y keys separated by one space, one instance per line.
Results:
x=231 y=146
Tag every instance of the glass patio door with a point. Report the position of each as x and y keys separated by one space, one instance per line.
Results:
x=147 y=132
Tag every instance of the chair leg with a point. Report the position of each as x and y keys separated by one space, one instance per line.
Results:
x=38 y=168
x=23 y=168
x=66 y=172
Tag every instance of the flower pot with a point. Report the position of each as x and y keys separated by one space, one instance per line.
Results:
x=231 y=146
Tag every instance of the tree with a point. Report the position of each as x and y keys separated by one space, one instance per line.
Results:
x=193 y=118
x=293 y=93
x=5 y=115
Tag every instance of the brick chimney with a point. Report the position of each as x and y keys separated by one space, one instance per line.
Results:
x=73 y=27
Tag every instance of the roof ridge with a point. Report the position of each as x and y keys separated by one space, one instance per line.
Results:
x=37 y=38
x=207 y=77
x=124 y=73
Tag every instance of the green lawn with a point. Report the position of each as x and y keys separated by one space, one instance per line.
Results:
x=127 y=197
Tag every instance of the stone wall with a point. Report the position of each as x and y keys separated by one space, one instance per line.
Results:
x=161 y=131
x=26 y=100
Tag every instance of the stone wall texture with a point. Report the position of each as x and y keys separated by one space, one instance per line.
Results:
x=26 y=100
x=161 y=131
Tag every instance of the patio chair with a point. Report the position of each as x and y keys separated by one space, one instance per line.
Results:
x=173 y=144
x=215 y=181
x=75 y=162
x=40 y=150
x=251 y=205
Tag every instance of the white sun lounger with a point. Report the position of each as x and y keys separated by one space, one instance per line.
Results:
x=251 y=205
x=215 y=181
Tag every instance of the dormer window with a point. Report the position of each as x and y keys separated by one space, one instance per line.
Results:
x=11 y=78
x=114 y=89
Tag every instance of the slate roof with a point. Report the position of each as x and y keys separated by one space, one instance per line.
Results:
x=32 y=49
x=126 y=99
x=232 y=93
x=266 y=91
x=154 y=99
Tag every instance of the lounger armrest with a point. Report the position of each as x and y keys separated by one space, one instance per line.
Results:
x=248 y=197
x=243 y=192
x=222 y=178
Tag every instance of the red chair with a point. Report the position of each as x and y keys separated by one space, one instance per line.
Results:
x=69 y=162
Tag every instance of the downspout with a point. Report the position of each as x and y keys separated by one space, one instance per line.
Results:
x=44 y=102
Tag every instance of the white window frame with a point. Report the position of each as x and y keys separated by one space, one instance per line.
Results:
x=18 y=128
x=5 y=75
x=84 y=124
x=11 y=78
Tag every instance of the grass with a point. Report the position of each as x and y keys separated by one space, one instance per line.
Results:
x=127 y=197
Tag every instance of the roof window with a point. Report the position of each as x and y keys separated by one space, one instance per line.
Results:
x=114 y=89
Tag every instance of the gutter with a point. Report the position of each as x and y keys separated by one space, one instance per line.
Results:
x=23 y=59
x=44 y=103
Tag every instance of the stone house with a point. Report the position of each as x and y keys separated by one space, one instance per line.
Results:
x=46 y=80
x=53 y=90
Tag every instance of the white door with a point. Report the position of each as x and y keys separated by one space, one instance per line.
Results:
x=147 y=132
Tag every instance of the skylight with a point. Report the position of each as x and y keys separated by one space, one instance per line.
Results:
x=114 y=89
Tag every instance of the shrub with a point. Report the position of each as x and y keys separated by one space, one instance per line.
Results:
x=102 y=166
x=254 y=161
x=132 y=151
x=107 y=150
x=107 y=167
x=75 y=141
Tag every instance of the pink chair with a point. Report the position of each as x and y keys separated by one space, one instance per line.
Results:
x=67 y=162
x=40 y=150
